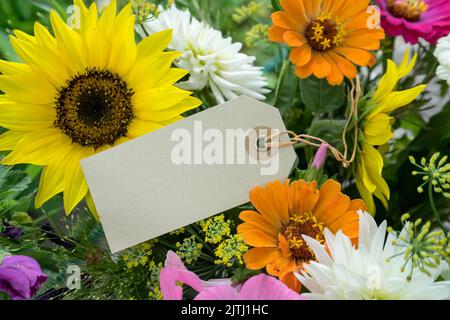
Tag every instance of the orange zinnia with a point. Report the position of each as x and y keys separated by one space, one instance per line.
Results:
x=328 y=36
x=285 y=213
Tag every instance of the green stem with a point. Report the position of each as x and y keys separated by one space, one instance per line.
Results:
x=281 y=77
x=433 y=206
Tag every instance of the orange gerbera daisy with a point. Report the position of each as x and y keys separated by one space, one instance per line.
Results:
x=285 y=213
x=328 y=36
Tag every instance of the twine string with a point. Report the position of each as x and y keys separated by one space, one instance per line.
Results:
x=316 y=142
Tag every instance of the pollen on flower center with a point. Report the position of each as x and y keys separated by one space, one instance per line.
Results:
x=324 y=34
x=94 y=108
x=299 y=225
x=411 y=10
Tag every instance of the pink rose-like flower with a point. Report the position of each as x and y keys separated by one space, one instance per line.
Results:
x=414 y=19
x=260 y=287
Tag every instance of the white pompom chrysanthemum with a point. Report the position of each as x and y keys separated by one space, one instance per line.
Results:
x=442 y=53
x=212 y=60
x=371 y=271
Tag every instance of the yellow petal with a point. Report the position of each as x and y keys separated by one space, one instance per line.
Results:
x=28 y=89
x=406 y=66
x=388 y=82
x=140 y=127
x=26 y=117
x=148 y=73
x=52 y=178
x=154 y=44
x=34 y=147
x=377 y=130
x=69 y=41
x=123 y=49
x=366 y=195
x=165 y=115
x=173 y=76
x=74 y=185
x=13 y=68
x=159 y=98
x=398 y=99
x=9 y=139
x=91 y=205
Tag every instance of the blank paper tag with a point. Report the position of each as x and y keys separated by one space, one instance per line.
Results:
x=186 y=172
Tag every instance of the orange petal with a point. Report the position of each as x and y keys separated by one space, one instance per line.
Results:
x=284 y=246
x=294 y=39
x=358 y=56
x=321 y=68
x=258 y=258
x=283 y=20
x=304 y=71
x=271 y=201
x=352 y=9
x=361 y=40
x=278 y=264
x=335 y=77
x=312 y=8
x=328 y=191
x=344 y=219
x=256 y=238
x=288 y=278
x=357 y=204
x=303 y=196
x=259 y=222
x=346 y=67
x=295 y=8
x=304 y=55
x=276 y=34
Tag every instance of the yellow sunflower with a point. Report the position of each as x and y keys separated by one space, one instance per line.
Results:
x=82 y=90
x=377 y=130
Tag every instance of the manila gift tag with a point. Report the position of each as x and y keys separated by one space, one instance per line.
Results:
x=187 y=171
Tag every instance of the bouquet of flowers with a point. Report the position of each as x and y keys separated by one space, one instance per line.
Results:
x=362 y=86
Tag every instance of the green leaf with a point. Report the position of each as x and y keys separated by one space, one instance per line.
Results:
x=15 y=181
x=320 y=97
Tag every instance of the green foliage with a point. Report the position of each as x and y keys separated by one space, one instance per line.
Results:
x=321 y=97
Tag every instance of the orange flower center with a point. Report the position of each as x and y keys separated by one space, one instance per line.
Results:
x=411 y=10
x=324 y=34
x=306 y=224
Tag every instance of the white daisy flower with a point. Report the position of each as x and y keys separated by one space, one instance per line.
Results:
x=442 y=53
x=371 y=271
x=212 y=60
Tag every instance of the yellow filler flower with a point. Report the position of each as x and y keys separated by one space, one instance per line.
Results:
x=377 y=130
x=82 y=91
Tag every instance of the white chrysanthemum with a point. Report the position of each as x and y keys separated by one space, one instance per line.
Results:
x=211 y=59
x=366 y=272
x=442 y=53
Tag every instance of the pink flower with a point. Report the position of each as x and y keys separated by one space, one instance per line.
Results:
x=260 y=287
x=414 y=19
x=320 y=157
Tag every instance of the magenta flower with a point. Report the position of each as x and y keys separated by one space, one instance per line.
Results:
x=414 y=19
x=21 y=277
x=260 y=287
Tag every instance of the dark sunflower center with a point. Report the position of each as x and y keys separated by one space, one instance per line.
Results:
x=94 y=108
x=306 y=224
x=324 y=34
x=410 y=10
